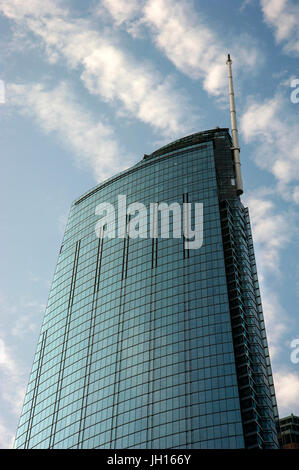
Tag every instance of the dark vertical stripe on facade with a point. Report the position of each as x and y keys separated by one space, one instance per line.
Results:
x=187 y=359
x=151 y=342
x=120 y=327
x=64 y=345
x=186 y=253
x=96 y=289
x=35 y=390
x=155 y=242
x=151 y=353
x=153 y=253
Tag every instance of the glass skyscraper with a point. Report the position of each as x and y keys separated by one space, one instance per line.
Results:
x=146 y=343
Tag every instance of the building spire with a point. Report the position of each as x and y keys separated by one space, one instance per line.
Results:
x=235 y=138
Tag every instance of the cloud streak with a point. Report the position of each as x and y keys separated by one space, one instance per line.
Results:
x=18 y=10
x=282 y=16
x=107 y=70
x=271 y=125
x=56 y=110
x=287 y=390
x=275 y=129
x=19 y=319
x=12 y=390
x=183 y=35
x=272 y=231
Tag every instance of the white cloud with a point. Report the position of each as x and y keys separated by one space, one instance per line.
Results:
x=56 y=110
x=109 y=72
x=296 y=194
x=23 y=316
x=6 y=437
x=18 y=9
x=245 y=4
x=287 y=391
x=126 y=13
x=283 y=17
x=274 y=128
x=18 y=319
x=33 y=277
x=276 y=318
x=272 y=230
x=186 y=39
x=62 y=221
x=7 y=363
x=12 y=380
x=123 y=10
x=29 y=320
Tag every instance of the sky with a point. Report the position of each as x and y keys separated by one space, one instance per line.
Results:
x=86 y=88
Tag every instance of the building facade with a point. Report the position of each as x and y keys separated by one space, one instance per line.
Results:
x=146 y=343
x=289 y=432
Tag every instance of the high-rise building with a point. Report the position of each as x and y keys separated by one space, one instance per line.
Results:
x=154 y=336
x=151 y=342
x=289 y=432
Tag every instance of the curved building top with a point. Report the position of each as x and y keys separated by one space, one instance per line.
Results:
x=191 y=139
x=187 y=141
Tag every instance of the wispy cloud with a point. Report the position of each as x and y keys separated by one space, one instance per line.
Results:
x=273 y=127
x=12 y=390
x=282 y=16
x=56 y=110
x=17 y=9
x=6 y=436
x=272 y=230
x=184 y=36
x=122 y=11
x=29 y=319
x=18 y=319
x=277 y=319
x=7 y=363
x=107 y=70
x=245 y=4
x=287 y=391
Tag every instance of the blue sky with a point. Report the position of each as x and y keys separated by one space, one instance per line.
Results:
x=89 y=88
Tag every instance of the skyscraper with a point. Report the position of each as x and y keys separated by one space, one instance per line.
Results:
x=289 y=432
x=153 y=336
x=145 y=343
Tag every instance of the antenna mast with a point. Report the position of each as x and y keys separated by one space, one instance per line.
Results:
x=235 y=138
